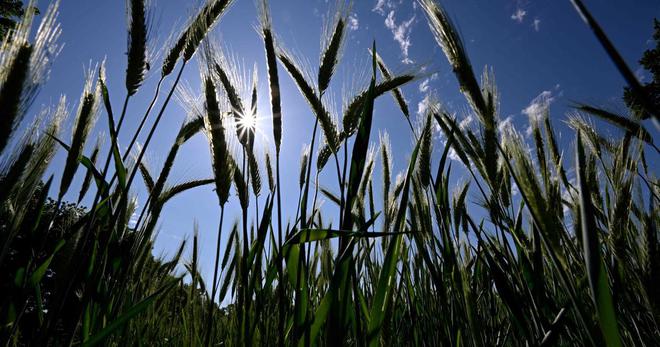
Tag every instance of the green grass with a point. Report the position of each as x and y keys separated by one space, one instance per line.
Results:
x=560 y=262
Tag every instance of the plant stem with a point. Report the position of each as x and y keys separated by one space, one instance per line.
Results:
x=215 y=280
x=129 y=182
x=279 y=259
x=146 y=114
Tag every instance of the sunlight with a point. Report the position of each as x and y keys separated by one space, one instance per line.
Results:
x=248 y=122
x=252 y=123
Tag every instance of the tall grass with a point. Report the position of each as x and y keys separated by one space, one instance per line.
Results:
x=567 y=254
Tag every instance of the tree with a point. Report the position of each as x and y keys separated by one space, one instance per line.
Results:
x=650 y=61
x=10 y=12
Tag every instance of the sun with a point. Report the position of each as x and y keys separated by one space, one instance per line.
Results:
x=247 y=122
x=250 y=122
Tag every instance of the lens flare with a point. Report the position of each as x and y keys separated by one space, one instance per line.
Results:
x=251 y=123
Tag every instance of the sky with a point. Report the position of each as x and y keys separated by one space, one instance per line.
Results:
x=539 y=50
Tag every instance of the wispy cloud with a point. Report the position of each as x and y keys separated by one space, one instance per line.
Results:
x=353 y=22
x=538 y=107
x=401 y=33
x=424 y=86
x=424 y=105
x=519 y=15
x=380 y=7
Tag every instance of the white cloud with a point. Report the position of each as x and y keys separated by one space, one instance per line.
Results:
x=424 y=86
x=401 y=33
x=537 y=24
x=423 y=105
x=382 y=6
x=519 y=15
x=539 y=106
x=379 y=8
x=453 y=155
x=353 y=22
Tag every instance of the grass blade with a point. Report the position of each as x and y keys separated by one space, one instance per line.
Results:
x=596 y=272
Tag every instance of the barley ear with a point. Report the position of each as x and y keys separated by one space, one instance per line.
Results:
x=11 y=93
x=325 y=120
x=323 y=156
x=273 y=77
x=24 y=66
x=386 y=162
x=173 y=56
x=303 y=166
x=269 y=172
x=448 y=38
x=191 y=37
x=424 y=164
x=13 y=170
x=203 y=23
x=241 y=189
x=352 y=112
x=333 y=42
x=396 y=92
x=85 y=119
x=255 y=175
x=138 y=26
x=222 y=163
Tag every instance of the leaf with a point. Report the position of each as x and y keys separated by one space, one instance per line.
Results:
x=596 y=271
x=385 y=281
x=39 y=272
x=101 y=184
x=360 y=148
x=147 y=177
x=333 y=197
x=620 y=63
x=182 y=187
x=622 y=122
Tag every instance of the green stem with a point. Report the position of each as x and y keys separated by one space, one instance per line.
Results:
x=209 y=325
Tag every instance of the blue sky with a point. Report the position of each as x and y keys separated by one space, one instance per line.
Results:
x=539 y=50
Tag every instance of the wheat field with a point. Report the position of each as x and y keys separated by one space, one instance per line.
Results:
x=544 y=242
